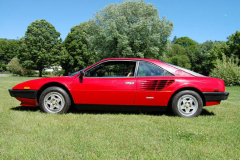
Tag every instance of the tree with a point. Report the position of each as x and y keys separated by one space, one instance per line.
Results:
x=8 y=50
x=177 y=55
x=194 y=53
x=129 y=29
x=40 y=46
x=185 y=42
x=202 y=53
x=215 y=52
x=234 y=44
x=76 y=55
x=174 y=40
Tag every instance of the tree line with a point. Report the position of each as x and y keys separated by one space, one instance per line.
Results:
x=129 y=29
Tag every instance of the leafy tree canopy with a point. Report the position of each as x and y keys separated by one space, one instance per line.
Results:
x=185 y=42
x=129 y=29
x=76 y=55
x=177 y=55
x=234 y=44
x=8 y=49
x=40 y=46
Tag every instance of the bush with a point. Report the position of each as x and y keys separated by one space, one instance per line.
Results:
x=46 y=73
x=228 y=70
x=29 y=72
x=15 y=67
x=58 y=73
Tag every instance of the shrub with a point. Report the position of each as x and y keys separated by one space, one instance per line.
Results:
x=15 y=67
x=228 y=70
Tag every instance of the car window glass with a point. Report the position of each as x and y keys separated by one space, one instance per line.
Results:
x=113 y=69
x=148 y=69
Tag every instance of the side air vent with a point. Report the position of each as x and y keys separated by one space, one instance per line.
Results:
x=155 y=84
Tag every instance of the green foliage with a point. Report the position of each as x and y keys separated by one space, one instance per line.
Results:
x=185 y=42
x=219 y=48
x=228 y=70
x=29 y=72
x=177 y=55
x=129 y=29
x=40 y=46
x=174 y=40
x=75 y=55
x=234 y=44
x=193 y=52
x=15 y=67
x=8 y=50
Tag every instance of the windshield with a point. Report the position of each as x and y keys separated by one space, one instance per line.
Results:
x=186 y=70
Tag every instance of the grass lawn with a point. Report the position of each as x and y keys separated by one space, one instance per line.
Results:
x=27 y=133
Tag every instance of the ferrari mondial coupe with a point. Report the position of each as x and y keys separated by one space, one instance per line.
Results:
x=125 y=84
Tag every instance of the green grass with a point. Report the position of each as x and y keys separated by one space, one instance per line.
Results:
x=27 y=133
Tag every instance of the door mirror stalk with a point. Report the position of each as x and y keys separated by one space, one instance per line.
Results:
x=82 y=73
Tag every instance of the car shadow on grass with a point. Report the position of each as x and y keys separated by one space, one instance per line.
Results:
x=153 y=113
x=207 y=113
x=158 y=113
x=25 y=108
x=73 y=110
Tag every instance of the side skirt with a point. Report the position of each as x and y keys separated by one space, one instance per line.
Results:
x=90 y=107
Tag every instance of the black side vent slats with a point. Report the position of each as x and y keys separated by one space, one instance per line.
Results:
x=155 y=84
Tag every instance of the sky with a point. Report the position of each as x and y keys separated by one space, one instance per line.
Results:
x=199 y=20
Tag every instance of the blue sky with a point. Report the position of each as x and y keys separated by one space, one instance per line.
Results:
x=199 y=20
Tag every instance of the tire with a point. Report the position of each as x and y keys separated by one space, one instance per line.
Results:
x=54 y=100
x=187 y=104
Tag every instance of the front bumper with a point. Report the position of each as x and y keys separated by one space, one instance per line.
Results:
x=29 y=94
x=215 y=96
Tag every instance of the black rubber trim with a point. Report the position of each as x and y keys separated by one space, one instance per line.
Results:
x=30 y=94
x=215 y=96
x=128 y=108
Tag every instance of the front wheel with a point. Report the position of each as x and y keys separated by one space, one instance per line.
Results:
x=187 y=104
x=54 y=100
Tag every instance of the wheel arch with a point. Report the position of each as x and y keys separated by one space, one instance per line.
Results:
x=187 y=88
x=52 y=84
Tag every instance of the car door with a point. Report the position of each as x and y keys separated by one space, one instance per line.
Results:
x=152 y=85
x=110 y=83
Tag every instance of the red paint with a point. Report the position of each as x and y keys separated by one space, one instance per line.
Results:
x=150 y=91
x=212 y=103
x=112 y=91
x=27 y=102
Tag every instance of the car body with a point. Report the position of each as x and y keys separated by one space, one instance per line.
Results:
x=128 y=83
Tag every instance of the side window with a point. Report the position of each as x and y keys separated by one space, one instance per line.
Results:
x=147 y=69
x=112 y=69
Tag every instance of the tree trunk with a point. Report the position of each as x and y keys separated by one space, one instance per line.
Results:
x=40 y=72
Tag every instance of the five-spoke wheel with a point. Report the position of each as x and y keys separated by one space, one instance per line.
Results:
x=54 y=100
x=187 y=104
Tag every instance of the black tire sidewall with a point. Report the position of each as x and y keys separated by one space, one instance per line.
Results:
x=60 y=91
x=187 y=92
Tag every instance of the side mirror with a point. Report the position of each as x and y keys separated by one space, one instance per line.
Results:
x=82 y=73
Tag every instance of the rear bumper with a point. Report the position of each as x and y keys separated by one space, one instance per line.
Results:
x=29 y=94
x=215 y=96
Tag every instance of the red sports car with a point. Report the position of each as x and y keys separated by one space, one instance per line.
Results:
x=124 y=83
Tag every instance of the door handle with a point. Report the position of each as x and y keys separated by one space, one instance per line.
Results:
x=129 y=83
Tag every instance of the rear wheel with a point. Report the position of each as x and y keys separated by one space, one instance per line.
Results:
x=54 y=100
x=187 y=104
